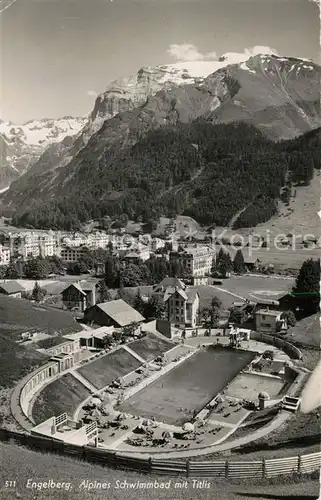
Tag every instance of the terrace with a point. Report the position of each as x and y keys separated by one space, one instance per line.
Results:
x=62 y=395
x=109 y=367
x=150 y=346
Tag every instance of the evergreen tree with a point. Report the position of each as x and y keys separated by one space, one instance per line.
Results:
x=209 y=316
x=139 y=303
x=225 y=265
x=238 y=263
x=307 y=287
x=219 y=257
x=112 y=272
x=37 y=293
x=103 y=292
x=37 y=268
x=155 y=308
x=14 y=270
x=290 y=317
x=131 y=276
x=237 y=316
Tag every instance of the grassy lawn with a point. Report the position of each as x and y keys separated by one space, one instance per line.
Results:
x=302 y=431
x=22 y=464
x=247 y=287
x=190 y=386
x=107 y=368
x=150 y=346
x=16 y=361
x=62 y=395
x=20 y=315
x=306 y=331
x=50 y=342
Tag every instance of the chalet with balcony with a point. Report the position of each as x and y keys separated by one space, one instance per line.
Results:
x=79 y=296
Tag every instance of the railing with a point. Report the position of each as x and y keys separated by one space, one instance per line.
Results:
x=263 y=468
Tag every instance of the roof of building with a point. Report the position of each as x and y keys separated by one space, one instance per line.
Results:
x=268 y=312
x=11 y=287
x=132 y=255
x=181 y=292
x=56 y=287
x=251 y=260
x=100 y=333
x=266 y=302
x=87 y=285
x=75 y=285
x=121 y=312
x=197 y=250
x=170 y=282
x=191 y=295
x=168 y=292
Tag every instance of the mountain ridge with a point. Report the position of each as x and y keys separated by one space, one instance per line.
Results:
x=276 y=94
x=21 y=145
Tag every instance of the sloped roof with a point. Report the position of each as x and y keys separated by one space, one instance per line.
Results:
x=55 y=288
x=168 y=292
x=170 y=282
x=77 y=286
x=87 y=285
x=268 y=312
x=181 y=293
x=191 y=295
x=121 y=312
x=11 y=287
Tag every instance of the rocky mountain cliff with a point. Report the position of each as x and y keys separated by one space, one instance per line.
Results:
x=278 y=95
x=22 y=145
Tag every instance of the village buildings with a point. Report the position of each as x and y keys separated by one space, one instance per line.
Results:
x=267 y=320
x=4 y=255
x=72 y=254
x=28 y=244
x=79 y=295
x=197 y=261
x=12 y=289
x=116 y=313
x=182 y=306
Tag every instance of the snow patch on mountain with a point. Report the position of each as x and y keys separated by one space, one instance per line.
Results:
x=41 y=132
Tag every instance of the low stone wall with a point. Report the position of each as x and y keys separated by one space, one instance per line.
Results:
x=286 y=346
x=36 y=380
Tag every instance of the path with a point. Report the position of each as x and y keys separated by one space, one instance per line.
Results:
x=227 y=291
x=134 y=354
x=237 y=215
x=83 y=380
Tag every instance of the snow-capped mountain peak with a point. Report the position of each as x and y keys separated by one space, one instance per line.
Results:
x=41 y=132
x=22 y=145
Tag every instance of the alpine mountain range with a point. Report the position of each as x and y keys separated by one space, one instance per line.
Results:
x=170 y=131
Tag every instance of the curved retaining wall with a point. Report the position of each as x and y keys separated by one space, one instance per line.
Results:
x=299 y=464
x=286 y=346
x=35 y=382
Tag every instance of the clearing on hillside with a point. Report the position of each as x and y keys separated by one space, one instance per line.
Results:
x=20 y=315
x=187 y=388
x=62 y=395
x=109 y=367
x=16 y=361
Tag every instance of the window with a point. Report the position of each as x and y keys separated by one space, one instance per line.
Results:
x=263 y=316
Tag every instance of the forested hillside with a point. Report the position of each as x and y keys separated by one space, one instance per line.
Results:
x=206 y=171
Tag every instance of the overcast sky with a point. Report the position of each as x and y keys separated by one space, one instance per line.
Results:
x=56 y=54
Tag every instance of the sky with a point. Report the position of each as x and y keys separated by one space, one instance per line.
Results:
x=58 y=54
